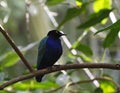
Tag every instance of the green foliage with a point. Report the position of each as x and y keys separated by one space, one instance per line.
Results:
x=90 y=13
x=111 y=36
x=78 y=3
x=95 y=18
x=107 y=86
x=8 y=59
x=33 y=85
x=85 y=58
x=101 y=4
x=83 y=48
x=72 y=13
x=113 y=26
x=54 y=2
x=98 y=90
x=108 y=41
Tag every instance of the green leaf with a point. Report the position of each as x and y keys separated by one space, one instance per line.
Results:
x=98 y=90
x=101 y=4
x=11 y=58
x=110 y=38
x=54 y=2
x=35 y=85
x=72 y=13
x=8 y=59
x=78 y=3
x=107 y=86
x=115 y=25
x=95 y=18
x=85 y=58
x=3 y=91
x=83 y=48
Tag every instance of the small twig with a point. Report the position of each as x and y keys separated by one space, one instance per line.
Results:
x=12 y=43
x=86 y=81
x=61 y=67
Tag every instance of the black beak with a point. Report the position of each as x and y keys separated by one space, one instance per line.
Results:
x=62 y=34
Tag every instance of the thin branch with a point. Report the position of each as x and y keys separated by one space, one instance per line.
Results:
x=87 y=81
x=61 y=67
x=12 y=43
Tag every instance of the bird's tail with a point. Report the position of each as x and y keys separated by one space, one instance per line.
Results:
x=39 y=78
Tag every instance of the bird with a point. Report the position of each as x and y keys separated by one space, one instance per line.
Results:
x=49 y=51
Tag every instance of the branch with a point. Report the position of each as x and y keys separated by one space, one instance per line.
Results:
x=61 y=67
x=86 y=81
x=12 y=43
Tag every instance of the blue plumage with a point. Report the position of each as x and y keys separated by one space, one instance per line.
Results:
x=49 y=51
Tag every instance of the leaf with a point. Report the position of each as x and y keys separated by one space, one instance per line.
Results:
x=54 y=2
x=35 y=85
x=8 y=59
x=110 y=38
x=107 y=86
x=115 y=25
x=101 y=4
x=72 y=13
x=83 y=48
x=3 y=91
x=95 y=18
x=98 y=90
x=78 y=3
x=11 y=58
x=85 y=58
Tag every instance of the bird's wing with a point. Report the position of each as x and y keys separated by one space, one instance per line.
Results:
x=41 y=50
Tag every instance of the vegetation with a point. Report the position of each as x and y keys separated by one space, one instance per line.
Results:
x=92 y=28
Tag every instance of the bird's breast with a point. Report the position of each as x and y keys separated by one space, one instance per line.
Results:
x=54 y=46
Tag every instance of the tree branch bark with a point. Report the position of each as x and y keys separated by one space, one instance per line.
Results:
x=12 y=43
x=61 y=67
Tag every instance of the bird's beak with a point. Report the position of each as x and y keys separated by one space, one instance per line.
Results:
x=62 y=34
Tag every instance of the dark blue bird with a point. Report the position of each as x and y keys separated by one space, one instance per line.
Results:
x=49 y=51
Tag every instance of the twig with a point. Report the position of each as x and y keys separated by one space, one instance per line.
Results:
x=12 y=43
x=61 y=67
x=87 y=81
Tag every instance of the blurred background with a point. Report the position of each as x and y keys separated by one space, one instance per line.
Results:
x=28 y=21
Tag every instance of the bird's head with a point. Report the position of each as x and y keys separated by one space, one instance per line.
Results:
x=55 y=33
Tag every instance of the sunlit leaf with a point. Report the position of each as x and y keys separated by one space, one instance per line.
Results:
x=101 y=4
x=71 y=56
x=54 y=2
x=83 y=48
x=78 y=3
x=107 y=86
x=95 y=18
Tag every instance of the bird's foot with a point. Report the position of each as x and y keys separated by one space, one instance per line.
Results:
x=56 y=66
x=49 y=68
